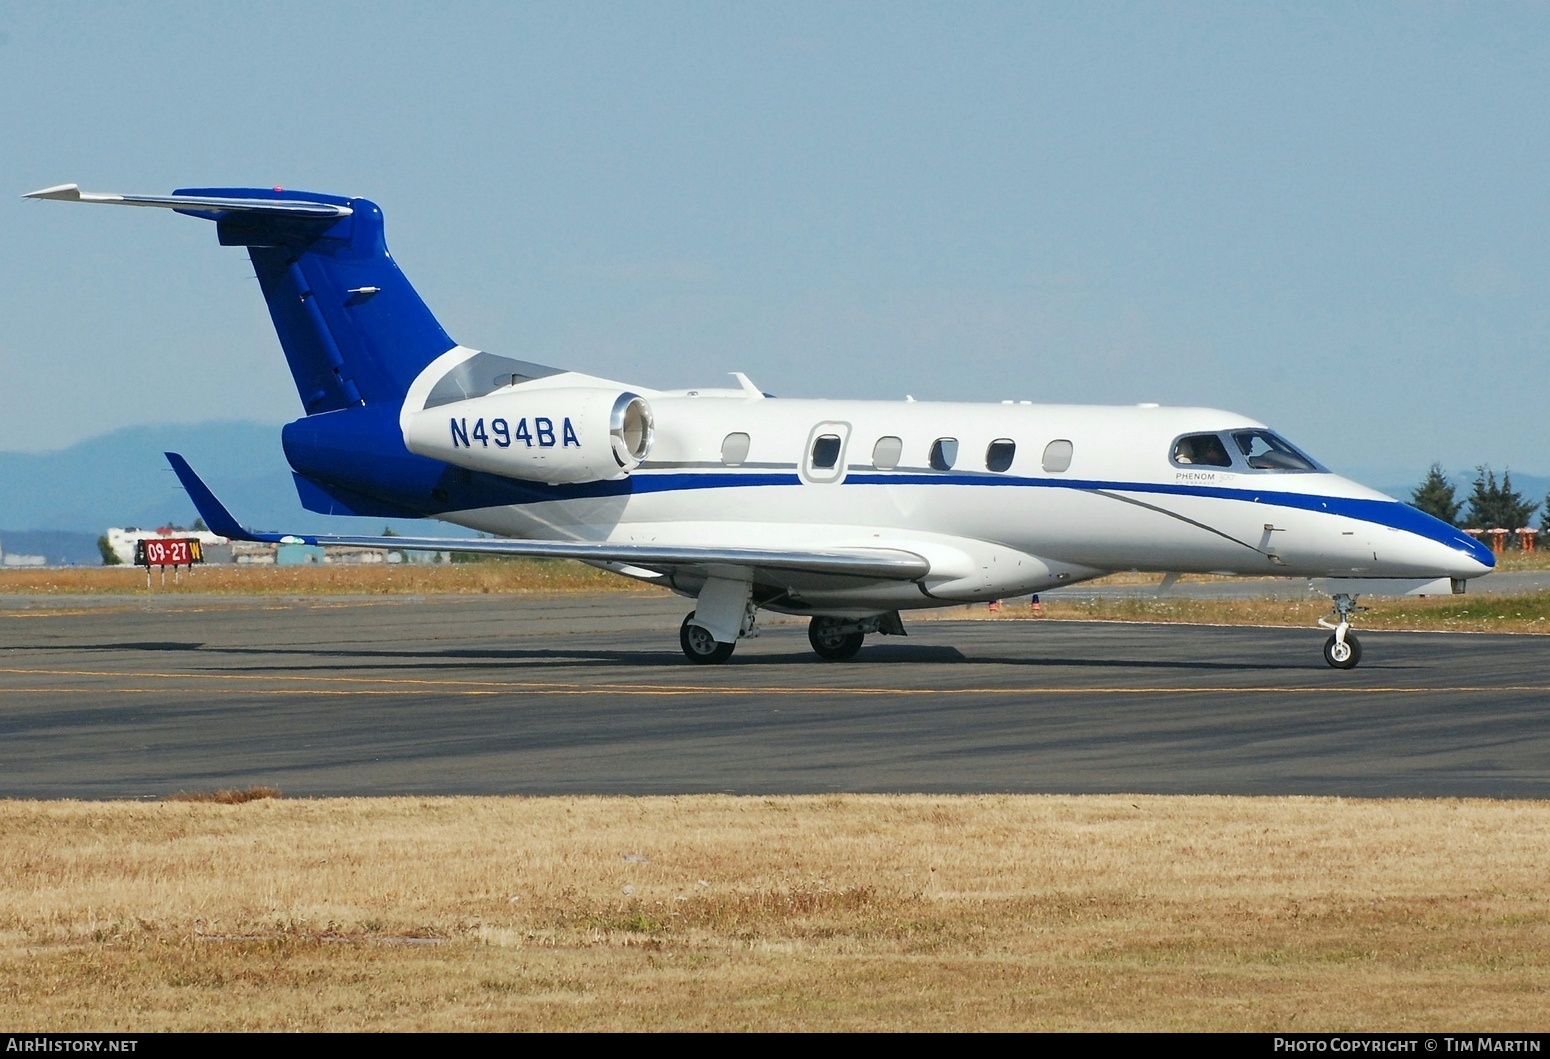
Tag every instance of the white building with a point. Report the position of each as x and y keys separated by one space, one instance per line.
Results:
x=122 y=540
x=21 y=560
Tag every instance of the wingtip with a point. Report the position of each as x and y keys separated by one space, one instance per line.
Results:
x=181 y=467
x=66 y=192
x=206 y=503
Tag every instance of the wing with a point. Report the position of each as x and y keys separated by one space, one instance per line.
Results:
x=881 y=564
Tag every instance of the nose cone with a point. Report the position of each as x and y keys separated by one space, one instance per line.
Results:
x=1452 y=552
x=1416 y=544
x=1467 y=557
x=1477 y=553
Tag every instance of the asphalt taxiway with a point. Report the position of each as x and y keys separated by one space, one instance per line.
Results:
x=141 y=697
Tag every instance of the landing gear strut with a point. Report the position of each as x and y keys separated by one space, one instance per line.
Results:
x=700 y=646
x=1342 y=650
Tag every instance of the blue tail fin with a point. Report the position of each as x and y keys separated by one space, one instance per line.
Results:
x=353 y=330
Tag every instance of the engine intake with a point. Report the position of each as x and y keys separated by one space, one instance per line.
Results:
x=547 y=434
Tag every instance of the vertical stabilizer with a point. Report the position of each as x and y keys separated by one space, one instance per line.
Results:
x=353 y=330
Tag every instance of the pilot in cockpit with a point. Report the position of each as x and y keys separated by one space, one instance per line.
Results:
x=1204 y=449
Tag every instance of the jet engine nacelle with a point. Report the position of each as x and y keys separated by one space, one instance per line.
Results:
x=555 y=435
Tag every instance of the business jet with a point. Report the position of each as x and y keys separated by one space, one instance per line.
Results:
x=847 y=512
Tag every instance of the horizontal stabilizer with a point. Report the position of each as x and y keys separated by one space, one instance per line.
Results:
x=216 y=207
x=885 y=564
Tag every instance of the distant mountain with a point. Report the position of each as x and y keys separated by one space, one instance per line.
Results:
x=122 y=479
x=58 y=547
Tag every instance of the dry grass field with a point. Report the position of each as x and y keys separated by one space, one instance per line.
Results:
x=514 y=575
x=854 y=912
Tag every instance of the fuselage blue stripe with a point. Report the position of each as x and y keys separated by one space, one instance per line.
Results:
x=1387 y=513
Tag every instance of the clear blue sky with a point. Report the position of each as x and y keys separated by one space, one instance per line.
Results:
x=1331 y=218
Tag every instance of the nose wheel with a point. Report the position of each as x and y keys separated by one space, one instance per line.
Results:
x=1343 y=654
x=1342 y=650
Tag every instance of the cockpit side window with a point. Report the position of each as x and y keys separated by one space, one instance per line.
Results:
x=1264 y=451
x=1203 y=450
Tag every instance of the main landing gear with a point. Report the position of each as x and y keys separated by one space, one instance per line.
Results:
x=1342 y=650
x=834 y=639
x=700 y=646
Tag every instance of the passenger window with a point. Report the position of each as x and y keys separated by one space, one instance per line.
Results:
x=886 y=453
x=999 y=456
x=944 y=453
x=734 y=449
x=1204 y=450
x=1057 y=456
x=826 y=451
x=1265 y=451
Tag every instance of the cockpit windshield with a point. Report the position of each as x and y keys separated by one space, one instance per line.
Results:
x=1254 y=450
x=1205 y=450
x=1264 y=451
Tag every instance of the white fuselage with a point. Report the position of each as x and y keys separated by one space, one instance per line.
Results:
x=1078 y=492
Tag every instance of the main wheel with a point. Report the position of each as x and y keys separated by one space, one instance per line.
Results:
x=831 y=644
x=1343 y=655
x=700 y=646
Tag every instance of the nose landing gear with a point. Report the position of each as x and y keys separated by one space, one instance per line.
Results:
x=1343 y=654
x=1342 y=650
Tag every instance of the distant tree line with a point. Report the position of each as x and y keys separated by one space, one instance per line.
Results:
x=1490 y=505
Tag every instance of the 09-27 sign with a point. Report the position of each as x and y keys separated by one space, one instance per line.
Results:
x=168 y=551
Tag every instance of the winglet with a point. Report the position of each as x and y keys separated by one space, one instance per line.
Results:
x=210 y=509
